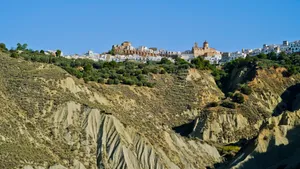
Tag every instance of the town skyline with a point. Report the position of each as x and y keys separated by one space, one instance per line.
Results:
x=143 y=45
x=189 y=48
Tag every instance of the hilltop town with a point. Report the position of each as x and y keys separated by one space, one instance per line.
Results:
x=126 y=51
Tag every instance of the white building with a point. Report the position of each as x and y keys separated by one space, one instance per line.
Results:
x=187 y=57
x=143 y=48
x=214 y=59
x=255 y=52
x=294 y=47
x=236 y=55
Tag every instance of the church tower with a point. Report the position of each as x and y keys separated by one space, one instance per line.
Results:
x=196 y=45
x=205 y=45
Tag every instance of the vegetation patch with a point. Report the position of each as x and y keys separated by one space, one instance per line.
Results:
x=245 y=89
x=238 y=98
x=228 y=104
x=127 y=72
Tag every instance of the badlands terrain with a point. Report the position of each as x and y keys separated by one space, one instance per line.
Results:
x=50 y=119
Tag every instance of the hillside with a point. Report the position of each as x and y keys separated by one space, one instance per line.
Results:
x=50 y=119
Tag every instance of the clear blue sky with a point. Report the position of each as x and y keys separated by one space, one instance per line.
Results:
x=75 y=26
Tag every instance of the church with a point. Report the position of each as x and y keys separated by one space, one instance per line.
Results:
x=205 y=51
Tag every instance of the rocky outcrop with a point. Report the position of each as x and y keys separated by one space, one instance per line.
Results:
x=277 y=145
x=122 y=147
x=224 y=126
x=272 y=94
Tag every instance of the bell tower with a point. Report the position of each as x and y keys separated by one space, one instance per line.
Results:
x=196 y=45
x=205 y=45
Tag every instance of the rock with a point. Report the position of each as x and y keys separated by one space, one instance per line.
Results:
x=57 y=167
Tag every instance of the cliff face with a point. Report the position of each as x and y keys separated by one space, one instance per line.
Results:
x=277 y=145
x=272 y=95
x=50 y=119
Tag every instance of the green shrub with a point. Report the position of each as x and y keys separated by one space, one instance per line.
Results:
x=262 y=56
x=86 y=79
x=128 y=82
x=141 y=77
x=121 y=71
x=154 y=70
x=184 y=66
x=245 y=89
x=116 y=81
x=162 y=71
x=105 y=76
x=3 y=47
x=228 y=105
x=14 y=55
x=213 y=104
x=148 y=84
x=137 y=72
x=139 y=83
x=110 y=81
x=113 y=76
x=101 y=80
x=141 y=66
x=165 y=61
x=230 y=94
x=238 y=98
x=93 y=78
x=145 y=71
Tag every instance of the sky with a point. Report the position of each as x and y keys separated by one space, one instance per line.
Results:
x=76 y=26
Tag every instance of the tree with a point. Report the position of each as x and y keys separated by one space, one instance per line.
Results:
x=42 y=52
x=245 y=89
x=282 y=55
x=3 y=47
x=238 y=98
x=165 y=61
x=22 y=47
x=180 y=61
x=88 y=67
x=200 y=63
x=112 y=51
x=113 y=64
x=58 y=52
x=262 y=56
x=272 y=56
x=292 y=70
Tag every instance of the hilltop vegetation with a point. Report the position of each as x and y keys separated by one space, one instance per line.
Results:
x=136 y=73
x=289 y=61
x=127 y=72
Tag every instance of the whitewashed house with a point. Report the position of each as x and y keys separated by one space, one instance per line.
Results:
x=294 y=47
x=214 y=59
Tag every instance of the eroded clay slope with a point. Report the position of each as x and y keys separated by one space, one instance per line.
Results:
x=271 y=96
x=277 y=145
x=50 y=119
